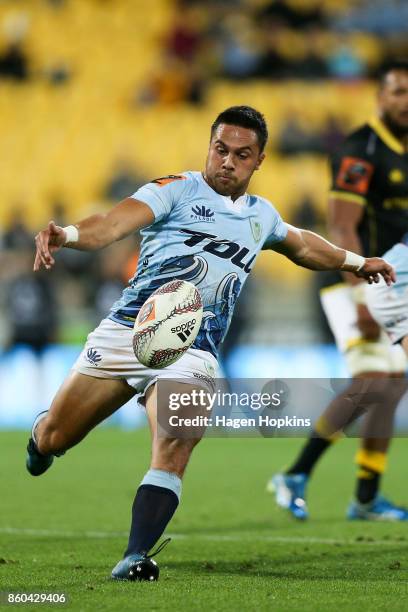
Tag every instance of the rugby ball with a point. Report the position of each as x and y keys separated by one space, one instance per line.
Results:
x=167 y=324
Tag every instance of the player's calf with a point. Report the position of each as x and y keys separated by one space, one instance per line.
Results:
x=51 y=439
x=37 y=461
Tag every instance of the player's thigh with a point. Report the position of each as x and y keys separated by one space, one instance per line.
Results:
x=172 y=445
x=84 y=401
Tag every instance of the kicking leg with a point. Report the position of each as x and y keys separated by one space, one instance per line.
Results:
x=79 y=405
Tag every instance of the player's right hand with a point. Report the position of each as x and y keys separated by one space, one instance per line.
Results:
x=368 y=327
x=47 y=242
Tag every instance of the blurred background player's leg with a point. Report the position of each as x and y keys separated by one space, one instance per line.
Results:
x=365 y=360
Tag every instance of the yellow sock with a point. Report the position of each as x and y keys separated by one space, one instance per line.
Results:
x=325 y=430
x=375 y=461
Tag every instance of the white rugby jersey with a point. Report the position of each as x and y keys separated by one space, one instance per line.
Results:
x=203 y=237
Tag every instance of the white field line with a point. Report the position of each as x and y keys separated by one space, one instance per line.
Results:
x=212 y=537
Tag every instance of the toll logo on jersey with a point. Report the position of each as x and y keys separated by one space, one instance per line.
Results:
x=165 y=180
x=147 y=312
x=201 y=213
x=355 y=175
x=224 y=249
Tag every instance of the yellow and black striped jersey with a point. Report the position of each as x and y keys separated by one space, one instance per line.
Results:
x=371 y=169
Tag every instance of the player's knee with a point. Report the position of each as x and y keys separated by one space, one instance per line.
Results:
x=172 y=455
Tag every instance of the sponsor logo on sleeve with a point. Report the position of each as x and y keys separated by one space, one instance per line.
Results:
x=355 y=175
x=165 y=180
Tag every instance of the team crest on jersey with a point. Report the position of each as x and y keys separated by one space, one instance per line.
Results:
x=396 y=176
x=210 y=368
x=202 y=213
x=256 y=228
x=165 y=180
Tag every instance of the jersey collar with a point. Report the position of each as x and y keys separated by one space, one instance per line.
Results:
x=386 y=136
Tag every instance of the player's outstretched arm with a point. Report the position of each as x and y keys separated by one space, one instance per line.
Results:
x=310 y=250
x=95 y=232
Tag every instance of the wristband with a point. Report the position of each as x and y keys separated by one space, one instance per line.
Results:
x=71 y=234
x=353 y=262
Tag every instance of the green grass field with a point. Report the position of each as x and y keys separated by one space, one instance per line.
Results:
x=231 y=549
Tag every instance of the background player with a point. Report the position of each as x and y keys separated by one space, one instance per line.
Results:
x=368 y=213
x=177 y=243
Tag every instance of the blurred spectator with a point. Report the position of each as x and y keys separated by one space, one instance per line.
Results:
x=71 y=261
x=31 y=306
x=273 y=64
x=14 y=63
x=313 y=64
x=184 y=38
x=123 y=182
x=174 y=81
x=381 y=17
x=332 y=135
x=240 y=53
x=285 y=14
x=293 y=139
x=17 y=235
x=305 y=213
x=343 y=63
x=116 y=265
x=58 y=211
x=278 y=13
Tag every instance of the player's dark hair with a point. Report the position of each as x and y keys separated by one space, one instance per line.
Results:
x=246 y=117
x=396 y=64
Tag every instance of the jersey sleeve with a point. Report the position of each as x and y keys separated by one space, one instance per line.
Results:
x=278 y=233
x=162 y=193
x=351 y=171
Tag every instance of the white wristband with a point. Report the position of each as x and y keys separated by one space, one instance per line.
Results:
x=353 y=262
x=71 y=233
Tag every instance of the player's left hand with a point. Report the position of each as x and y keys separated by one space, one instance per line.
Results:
x=375 y=267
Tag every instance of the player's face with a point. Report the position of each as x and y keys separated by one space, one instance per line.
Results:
x=393 y=100
x=233 y=156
